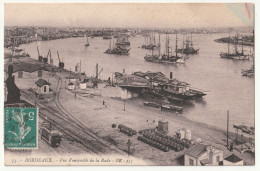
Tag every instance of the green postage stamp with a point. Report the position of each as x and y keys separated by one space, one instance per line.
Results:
x=21 y=128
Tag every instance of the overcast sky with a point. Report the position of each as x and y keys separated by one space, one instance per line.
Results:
x=129 y=15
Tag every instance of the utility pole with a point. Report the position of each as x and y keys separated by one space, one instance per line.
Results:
x=227 y=127
x=80 y=66
x=124 y=105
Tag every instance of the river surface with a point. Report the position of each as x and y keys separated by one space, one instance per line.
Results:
x=228 y=89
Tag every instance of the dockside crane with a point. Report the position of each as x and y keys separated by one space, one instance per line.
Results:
x=61 y=63
x=99 y=73
x=40 y=58
x=45 y=59
x=51 y=60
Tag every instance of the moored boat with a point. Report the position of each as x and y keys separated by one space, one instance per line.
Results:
x=171 y=108
x=151 y=104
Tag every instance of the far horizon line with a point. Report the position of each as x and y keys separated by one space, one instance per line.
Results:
x=121 y=27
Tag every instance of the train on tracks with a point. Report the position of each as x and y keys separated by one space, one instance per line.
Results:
x=50 y=135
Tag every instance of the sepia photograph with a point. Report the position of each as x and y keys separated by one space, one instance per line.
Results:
x=129 y=84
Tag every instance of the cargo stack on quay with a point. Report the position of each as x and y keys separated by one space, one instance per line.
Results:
x=116 y=121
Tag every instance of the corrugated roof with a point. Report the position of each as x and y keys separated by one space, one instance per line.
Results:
x=196 y=150
x=233 y=158
x=42 y=82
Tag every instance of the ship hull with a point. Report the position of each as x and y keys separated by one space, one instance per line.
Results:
x=234 y=56
x=188 y=51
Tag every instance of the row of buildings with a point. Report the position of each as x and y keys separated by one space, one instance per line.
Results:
x=208 y=155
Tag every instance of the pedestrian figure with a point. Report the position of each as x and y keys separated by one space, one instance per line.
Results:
x=103 y=102
x=75 y=95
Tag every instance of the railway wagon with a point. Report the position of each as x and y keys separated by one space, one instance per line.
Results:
x=51 y=136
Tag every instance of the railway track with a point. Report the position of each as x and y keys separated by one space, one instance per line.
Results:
x=101 y=143
x=70 y=126
x=66 y=127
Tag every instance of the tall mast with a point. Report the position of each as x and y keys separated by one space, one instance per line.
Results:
x=97 y=70
x=159 y=45
x=176 y=47
x=166 y=45
x=228 y=41
x=191 y=40
x=236 y=41
x=183 y=43
x=242 y=45
x=153 y=39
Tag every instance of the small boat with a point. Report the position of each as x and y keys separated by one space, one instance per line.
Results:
x=245 y=129
x=87 y=43
x=151 y=104
x=171 y=108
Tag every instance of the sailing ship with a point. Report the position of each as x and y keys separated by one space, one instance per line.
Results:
x=167 y=57
x=117 y=49
x=87 y=43
x=149 y=42
x=251 y=71
x=236 y=54
x=122 y=41
x=187 y=46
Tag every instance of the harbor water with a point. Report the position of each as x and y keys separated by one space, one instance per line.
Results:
x=227 y=88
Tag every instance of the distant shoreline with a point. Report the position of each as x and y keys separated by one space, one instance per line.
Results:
x=247 y=42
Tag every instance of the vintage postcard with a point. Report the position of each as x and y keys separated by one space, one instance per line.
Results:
x=153 y=84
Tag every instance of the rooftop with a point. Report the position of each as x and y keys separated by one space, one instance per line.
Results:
x=233 y=158
x=41 y=82
x=196 y=150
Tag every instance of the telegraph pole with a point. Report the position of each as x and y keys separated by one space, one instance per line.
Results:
x=227 y=126
x=124 y=105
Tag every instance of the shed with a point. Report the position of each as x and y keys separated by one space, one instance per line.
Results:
x=184 y=133
x=233 y=160
x=83 y=84
x=43 y=86
x=201 y=154
x=73 y=78
x=71 y=86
